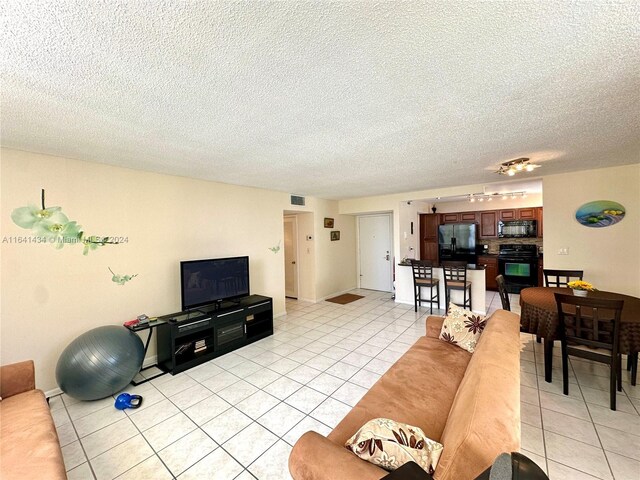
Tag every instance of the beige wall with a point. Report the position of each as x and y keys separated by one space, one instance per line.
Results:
x=50 y=296
x=610 y=257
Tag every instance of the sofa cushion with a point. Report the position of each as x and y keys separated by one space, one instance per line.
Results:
x=29 y=447
x=462 y=328
x=417 y=390
x=391 y=444
x=485 y=416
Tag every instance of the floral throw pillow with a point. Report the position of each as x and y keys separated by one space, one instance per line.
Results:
x=390 y=445
x=462 y=328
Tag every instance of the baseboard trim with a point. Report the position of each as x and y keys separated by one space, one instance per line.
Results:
x=335 y=294
x=53 y=393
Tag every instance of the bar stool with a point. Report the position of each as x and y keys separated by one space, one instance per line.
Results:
x=504 y=295
x=455 y=278
x=423 y=277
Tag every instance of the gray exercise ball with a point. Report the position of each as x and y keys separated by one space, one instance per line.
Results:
x=99 y=363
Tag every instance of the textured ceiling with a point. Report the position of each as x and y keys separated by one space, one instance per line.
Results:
x=332 y=99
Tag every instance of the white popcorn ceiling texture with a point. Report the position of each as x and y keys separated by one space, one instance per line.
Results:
x=332 y=99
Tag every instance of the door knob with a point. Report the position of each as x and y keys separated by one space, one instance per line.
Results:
x=293 y=263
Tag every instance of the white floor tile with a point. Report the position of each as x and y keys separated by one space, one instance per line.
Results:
x=99 y=442
x=119 y=459
x=97 y=420
x=150 y=416
x=81 y=472
x=185 y=452
x=306 y=399
x=66 y=434
x=220 y=381
x=150 y=469
x=226 y=425
x=190 y=396
x=624 y=467
x=73 y=455
x=558 y=471
x=581 y=430
x=273 y=464
x=168 y=431
x=330 y=412
x=257 y=404
x=263 y=377
x=282 y=388
x=577 y=455
x=281 y=419
x=619 y=442
x=250 y=443
x=326 y=383
x=218 y=465
x=237 y=392
x=206 y=409
x=305 y=425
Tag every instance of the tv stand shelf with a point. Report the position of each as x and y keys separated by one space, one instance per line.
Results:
x=190 y=338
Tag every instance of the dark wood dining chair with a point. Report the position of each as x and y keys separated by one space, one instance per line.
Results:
x=502 y=291
x=423 y=278
x=560 y=278
x=593 y=323
x=455 y=278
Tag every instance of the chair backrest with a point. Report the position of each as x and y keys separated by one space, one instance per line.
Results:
x=422 y=269
x=504 y=295
x=560 y=278
x=454 y=271
x=593 y=322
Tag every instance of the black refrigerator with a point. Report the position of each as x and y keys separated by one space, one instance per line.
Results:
x=457 y=241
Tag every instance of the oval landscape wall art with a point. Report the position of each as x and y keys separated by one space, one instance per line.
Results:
x=601 y=213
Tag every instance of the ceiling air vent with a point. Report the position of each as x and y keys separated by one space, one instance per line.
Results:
x=297 y=200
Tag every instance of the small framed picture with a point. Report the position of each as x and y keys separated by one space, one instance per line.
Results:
x=328 y=223
x=335 y=235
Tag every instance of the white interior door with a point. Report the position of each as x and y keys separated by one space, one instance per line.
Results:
x=374 y=234
x=291 y=257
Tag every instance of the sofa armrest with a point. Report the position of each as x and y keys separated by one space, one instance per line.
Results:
x=315 y=457
x=434 y=325
x=17 y=378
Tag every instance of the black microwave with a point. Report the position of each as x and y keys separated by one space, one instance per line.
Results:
x=517 y=229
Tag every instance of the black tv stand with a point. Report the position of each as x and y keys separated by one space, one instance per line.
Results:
x=193 y=337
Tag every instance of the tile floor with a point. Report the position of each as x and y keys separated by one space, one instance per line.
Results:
x=321 y=360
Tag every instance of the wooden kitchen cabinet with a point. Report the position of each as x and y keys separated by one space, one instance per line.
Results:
x=460 y=217
x=489 y=224
x=429 y=237
x=468 y=217
x=509 y=214
x=491 y=270
x=527 y=213
x=449 y=218
x=539 y=218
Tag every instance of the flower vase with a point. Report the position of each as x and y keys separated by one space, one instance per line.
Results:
x=580 y=293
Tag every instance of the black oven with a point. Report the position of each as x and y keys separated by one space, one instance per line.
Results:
x=519 y=266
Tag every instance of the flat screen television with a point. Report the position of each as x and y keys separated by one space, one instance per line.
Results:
x=204 y=282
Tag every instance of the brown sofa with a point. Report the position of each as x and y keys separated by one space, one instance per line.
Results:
x=29 y=446
x=469 y=403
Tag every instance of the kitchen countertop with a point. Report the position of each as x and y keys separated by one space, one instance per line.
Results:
x=470 y=266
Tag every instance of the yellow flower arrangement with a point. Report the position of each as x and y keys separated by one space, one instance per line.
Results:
x=581 y=285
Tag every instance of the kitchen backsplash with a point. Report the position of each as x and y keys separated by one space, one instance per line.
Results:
x=494 y=244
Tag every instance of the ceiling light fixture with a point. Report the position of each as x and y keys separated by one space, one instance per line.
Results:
x=481 y=197
x=518 y=165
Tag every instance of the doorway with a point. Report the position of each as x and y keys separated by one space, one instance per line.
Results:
x=375 y=252
x=291 y=257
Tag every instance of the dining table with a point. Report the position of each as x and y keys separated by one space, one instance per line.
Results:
x=539 y=315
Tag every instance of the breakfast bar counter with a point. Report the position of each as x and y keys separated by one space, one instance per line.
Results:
x=475 y=275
